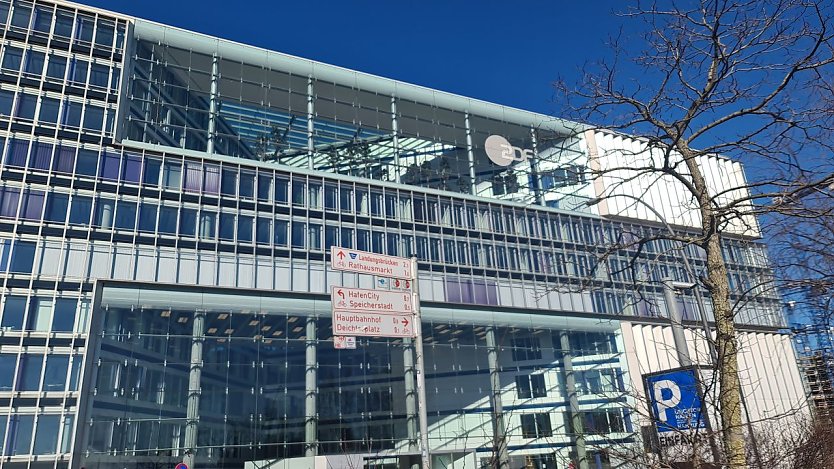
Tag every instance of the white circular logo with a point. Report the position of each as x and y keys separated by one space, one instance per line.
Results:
x=499 y=150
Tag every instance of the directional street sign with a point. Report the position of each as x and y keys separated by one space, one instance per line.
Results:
x=344 y=342
x=370 y=263
x=370 y=324
x=371 y=301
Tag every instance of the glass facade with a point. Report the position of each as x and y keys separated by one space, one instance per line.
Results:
x=134 y=156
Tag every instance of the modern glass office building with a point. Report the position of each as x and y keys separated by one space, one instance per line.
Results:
x=167 y=205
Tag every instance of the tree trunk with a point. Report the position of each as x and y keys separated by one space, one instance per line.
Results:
x=729 y=397
x=729 y=394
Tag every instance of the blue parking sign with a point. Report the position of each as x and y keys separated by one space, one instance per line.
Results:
x=675 y=400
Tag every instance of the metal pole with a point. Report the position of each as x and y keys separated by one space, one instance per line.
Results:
x=421 y=375
x=499 y=428
x=310 y=390
x=676 y=320
x=192 y=411
x=573 y=401
x=410 y=395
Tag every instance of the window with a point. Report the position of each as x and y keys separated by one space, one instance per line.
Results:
x=78 y=71
x=188 y=222
x=56 y=67
x=147 y=217
x=87 y=162
x=50 y=108
x=72 y=114
x=6 y=101
x=125 y=215
x=298 y=234
x=227 y=226
x=26 y=105
x=34 y=62
x=40 y=315
x=20 y=434
x=150 y=176
x=262 y=230
x=168 y=220
x=46 y=436
x=109 y=167
x=63 y=23
x=604 y=421
x=532 y=385
x=536 y=425
x=32 y=206
x=93 y=118
x=12 y=58
x=526 y=348
x=23 y=257
x=13 y=313
x=29 y=376
x=244 y=229
x=590 y=343
x=63 y=319
x=280 y=234
x=43 y=19
x=99 y=75
x=55 y=373
x=82 y=207
x=8 y=361
x=172 y=175
x=9 y=198
x=132 y=168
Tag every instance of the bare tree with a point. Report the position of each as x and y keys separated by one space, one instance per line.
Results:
x=749 y=80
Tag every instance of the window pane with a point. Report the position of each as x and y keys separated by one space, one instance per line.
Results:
x=81 y=210
x=6 y=101
x=188 y=221
x=151 y=173
x=87 y=162
x=8 y=361
x=56 y=67
x=46 y=437
x=64 y=317
x=12 y=58
x=227 y=226
x=55 y=375
x=40 y=315
x=20 y=434
x=23 y=257
x=13 y=313
x=9 y=198
x=29 y=375
x=244 y=229
x=93 y=118
x=49 y=111
x=125 y=215
x=132 y=168
x=26 y=104
x=147 y=217
x=168 y=220
x=34 y=62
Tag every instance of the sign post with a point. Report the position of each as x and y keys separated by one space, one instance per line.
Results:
x=391 y=310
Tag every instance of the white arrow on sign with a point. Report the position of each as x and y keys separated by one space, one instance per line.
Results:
x=370 y=324
x=370 y=263
x=371 y=301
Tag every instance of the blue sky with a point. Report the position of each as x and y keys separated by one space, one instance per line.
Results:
x=499 y=51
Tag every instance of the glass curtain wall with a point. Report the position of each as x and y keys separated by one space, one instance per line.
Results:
x=254 y=379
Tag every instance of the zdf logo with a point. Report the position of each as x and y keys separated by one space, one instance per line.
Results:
x=499 y=150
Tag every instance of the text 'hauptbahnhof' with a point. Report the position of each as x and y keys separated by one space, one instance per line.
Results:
x=167 y=207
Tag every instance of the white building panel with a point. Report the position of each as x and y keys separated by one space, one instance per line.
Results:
x=624 y=169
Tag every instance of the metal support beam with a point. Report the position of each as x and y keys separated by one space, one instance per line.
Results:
x=410 y=397
x=425 y=450
x=578 y=433
x=501 y=456
x=310 y=390
x=192 y=412
x=676 y=321
x=212 y=122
